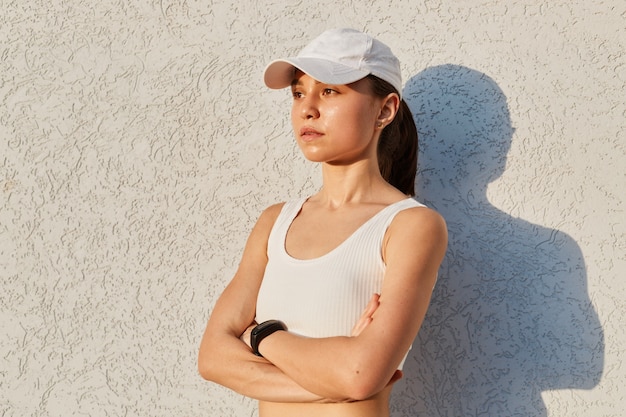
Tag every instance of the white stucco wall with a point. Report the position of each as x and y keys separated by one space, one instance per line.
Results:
x=138 y=145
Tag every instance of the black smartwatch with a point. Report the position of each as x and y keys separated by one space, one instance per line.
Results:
x=261 y=331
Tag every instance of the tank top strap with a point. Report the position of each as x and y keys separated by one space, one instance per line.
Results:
x=383 y=219
x=278 y=233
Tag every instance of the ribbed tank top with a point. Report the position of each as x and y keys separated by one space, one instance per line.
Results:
x=324 y=296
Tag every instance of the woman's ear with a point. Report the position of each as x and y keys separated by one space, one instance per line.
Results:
x=389 y=109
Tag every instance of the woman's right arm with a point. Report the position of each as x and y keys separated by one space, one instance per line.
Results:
x=223 y=358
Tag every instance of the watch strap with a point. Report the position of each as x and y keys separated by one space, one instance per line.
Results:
x=261 y=331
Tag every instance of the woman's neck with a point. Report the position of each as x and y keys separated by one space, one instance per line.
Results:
x=356 y=183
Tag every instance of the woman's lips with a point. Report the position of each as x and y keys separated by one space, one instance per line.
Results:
x=308 y=133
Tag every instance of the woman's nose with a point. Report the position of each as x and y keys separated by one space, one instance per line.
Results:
x=310 y=109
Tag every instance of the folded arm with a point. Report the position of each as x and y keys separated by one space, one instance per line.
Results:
x=223 y=358
x=360 y=366
x=299 y=369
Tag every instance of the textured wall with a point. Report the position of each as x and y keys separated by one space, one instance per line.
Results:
x=138 y=145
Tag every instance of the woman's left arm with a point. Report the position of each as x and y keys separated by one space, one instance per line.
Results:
x=355 y=368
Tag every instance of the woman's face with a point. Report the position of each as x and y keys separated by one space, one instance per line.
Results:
x=335 y=124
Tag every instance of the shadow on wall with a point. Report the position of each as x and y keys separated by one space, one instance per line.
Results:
x=510 y=316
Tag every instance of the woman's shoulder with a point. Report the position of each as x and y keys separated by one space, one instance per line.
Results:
x=417 y=218
x=268 y=216
x=293 y=204
x=271 y=213
x=416 y=233
x=274 y=210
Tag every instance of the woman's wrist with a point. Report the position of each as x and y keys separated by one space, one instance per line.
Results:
x=263 y=330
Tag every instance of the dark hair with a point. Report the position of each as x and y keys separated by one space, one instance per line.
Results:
x=397 y=146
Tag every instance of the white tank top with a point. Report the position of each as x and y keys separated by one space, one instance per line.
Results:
x=325 y=296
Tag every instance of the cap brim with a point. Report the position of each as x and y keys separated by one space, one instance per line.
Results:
x=280 y=73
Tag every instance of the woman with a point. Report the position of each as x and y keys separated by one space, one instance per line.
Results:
x=332 y=289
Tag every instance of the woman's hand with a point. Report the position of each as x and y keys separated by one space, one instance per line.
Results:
x=364 y=321
x=366 y=316
x=245 y=336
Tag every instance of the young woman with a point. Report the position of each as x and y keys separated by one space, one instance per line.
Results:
x=332 y=288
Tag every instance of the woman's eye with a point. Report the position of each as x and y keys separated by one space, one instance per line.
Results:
x=329 y=91
x=296 y=94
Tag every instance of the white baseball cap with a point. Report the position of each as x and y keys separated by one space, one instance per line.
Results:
x=338 y=56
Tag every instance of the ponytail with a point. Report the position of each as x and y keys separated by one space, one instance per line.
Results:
x=397 y=145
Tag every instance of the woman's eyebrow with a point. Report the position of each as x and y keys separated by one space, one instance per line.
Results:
x=296 y=82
